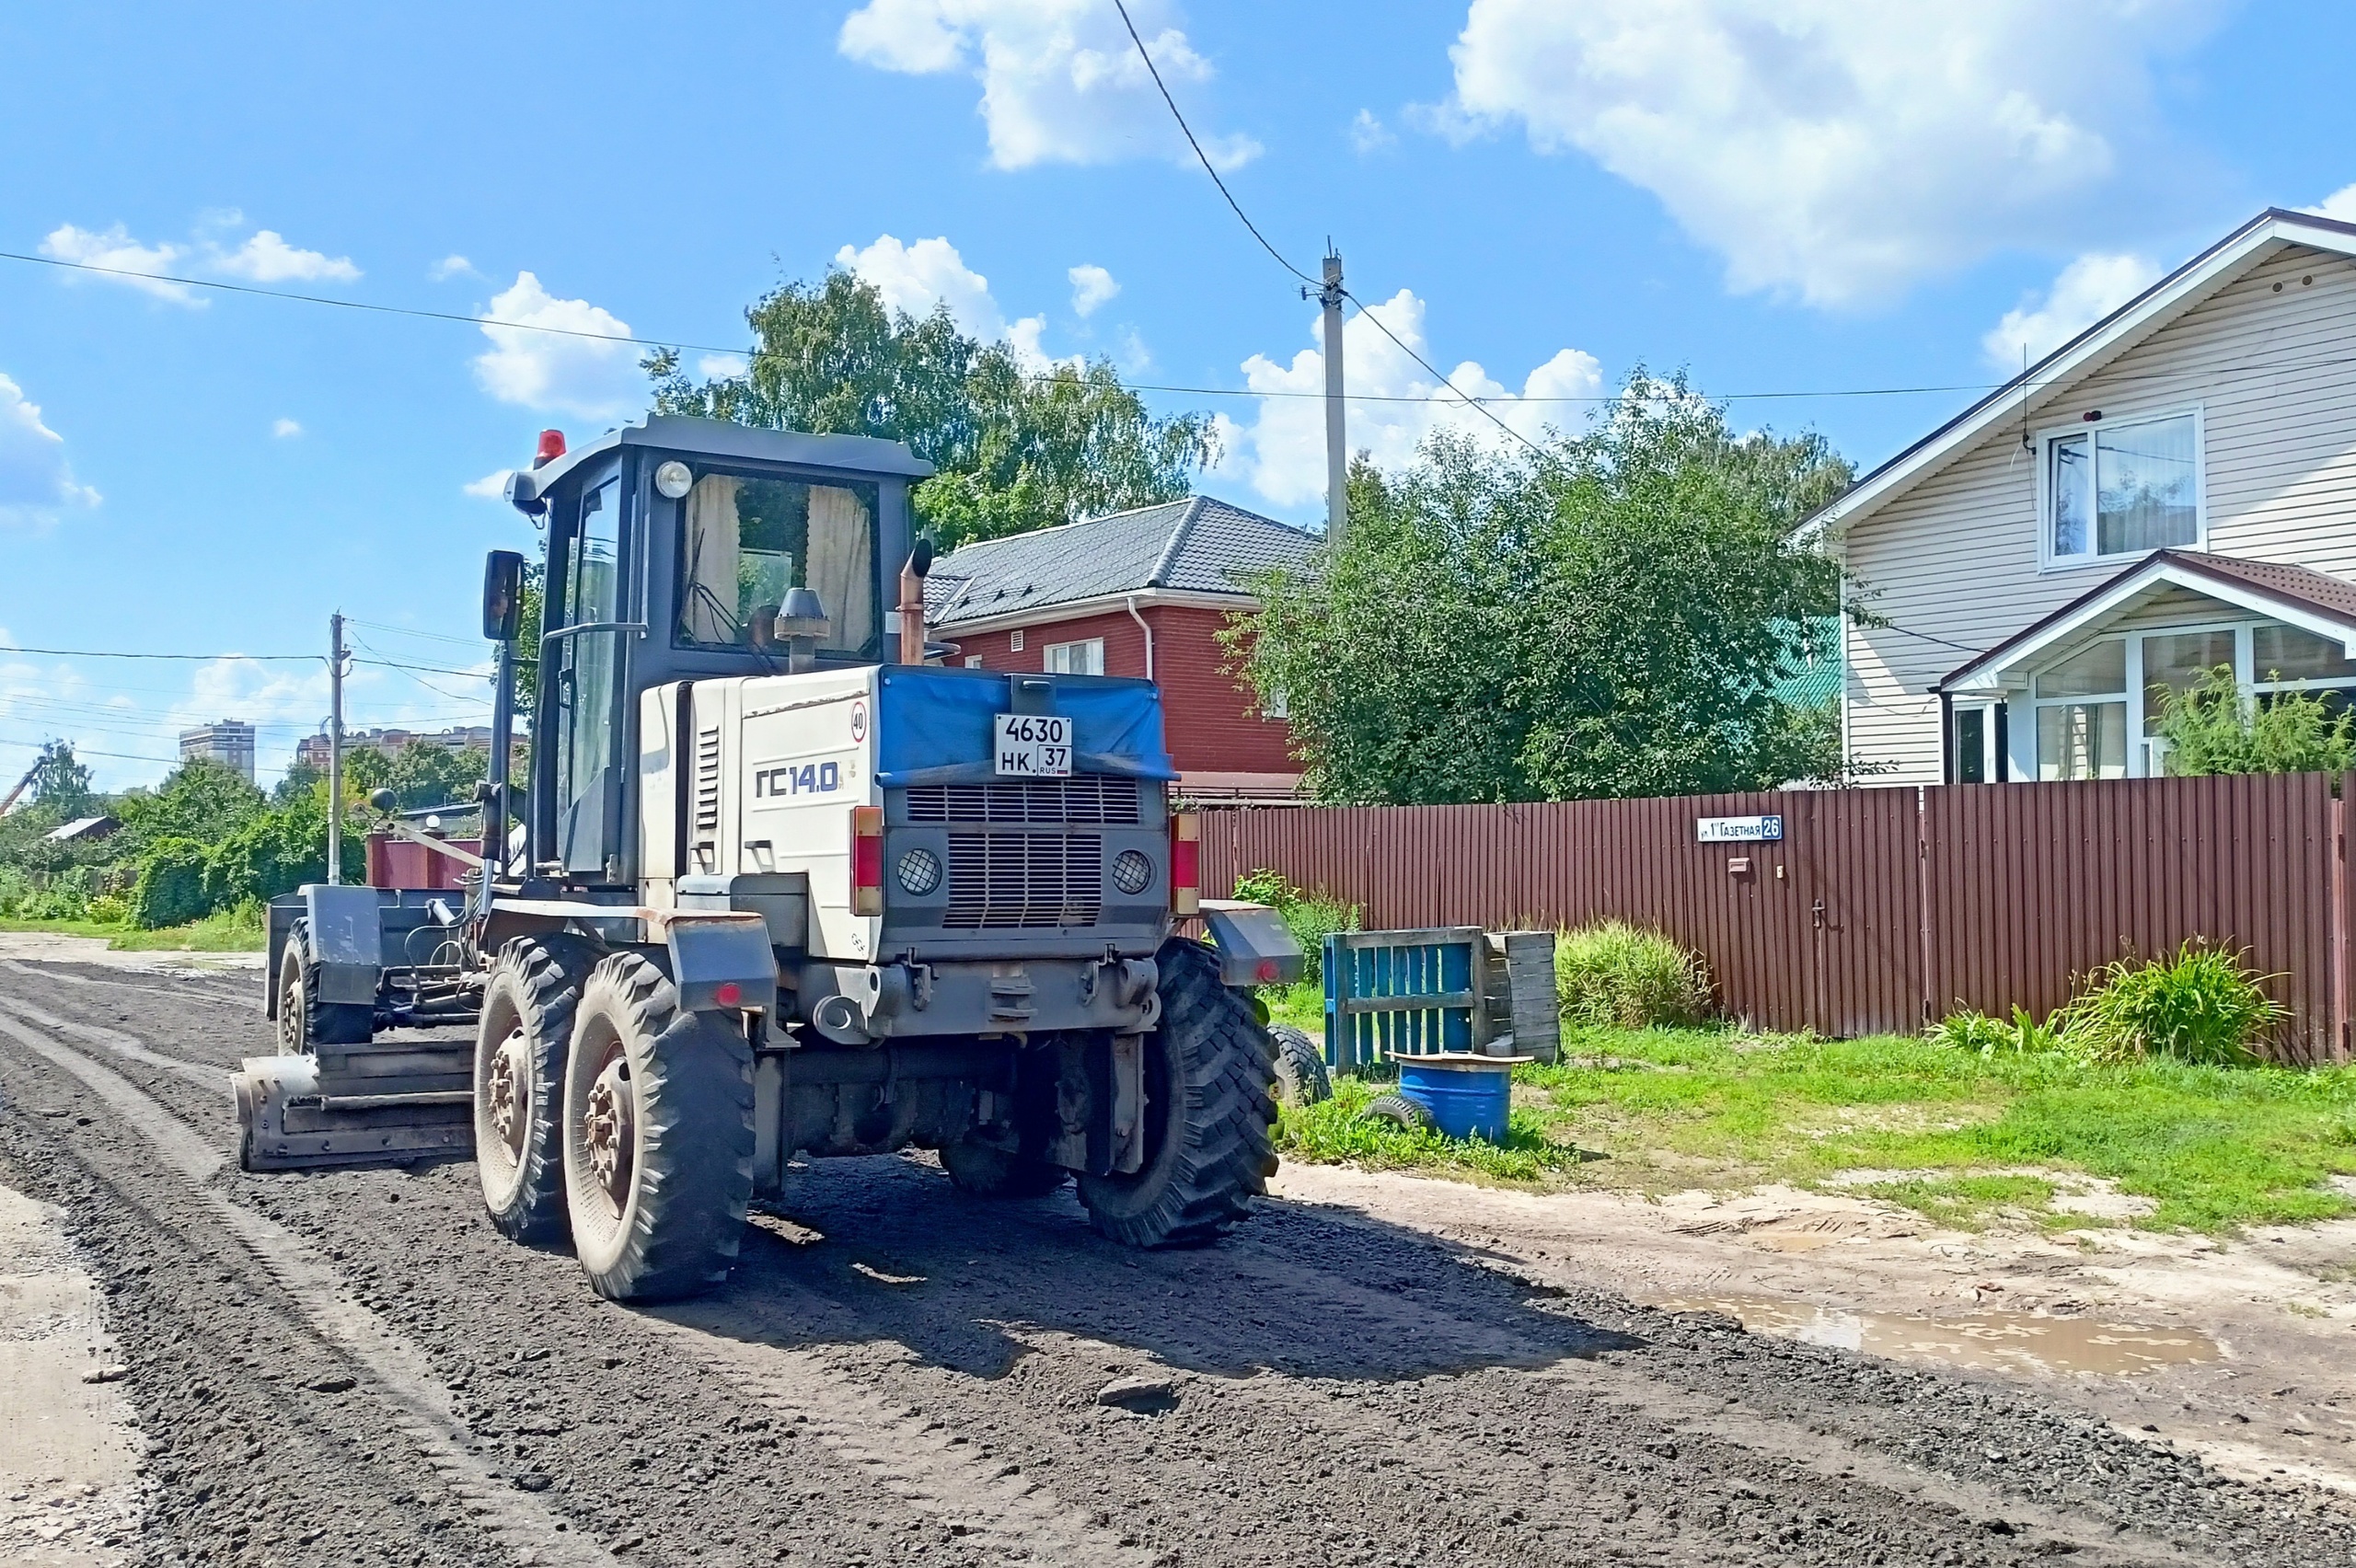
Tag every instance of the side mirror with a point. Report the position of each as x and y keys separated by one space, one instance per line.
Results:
x=383 y=801
x=502 y=595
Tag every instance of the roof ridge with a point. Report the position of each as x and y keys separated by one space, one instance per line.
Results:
x=1177 y=540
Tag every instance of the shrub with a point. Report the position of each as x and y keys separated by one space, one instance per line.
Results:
x=110 y=909
x=170 y=889
x=1310 y=916
x=1972 y=1029
x=2213 y=728
x=2201 y=1006
x=1617 y=974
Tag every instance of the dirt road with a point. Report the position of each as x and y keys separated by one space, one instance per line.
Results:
x=352 y=1368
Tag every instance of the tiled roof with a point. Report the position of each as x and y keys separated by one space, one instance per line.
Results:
x=1197 y=544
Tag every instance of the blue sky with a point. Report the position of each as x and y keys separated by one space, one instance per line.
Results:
x=1798 y=197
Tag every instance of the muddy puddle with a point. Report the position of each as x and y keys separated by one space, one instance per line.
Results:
x=2005 y=1341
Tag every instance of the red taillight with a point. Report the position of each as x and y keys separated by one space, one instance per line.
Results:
x=551 y=447
x=867 y=860
x=1185 y=864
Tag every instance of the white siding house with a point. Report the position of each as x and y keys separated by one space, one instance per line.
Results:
x=2173 y=488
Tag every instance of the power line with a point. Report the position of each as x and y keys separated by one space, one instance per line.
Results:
x=1154 y=71
x=186 y=658
x=411 y=670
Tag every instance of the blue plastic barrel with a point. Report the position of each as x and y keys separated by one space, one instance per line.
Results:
x=1468 y=1096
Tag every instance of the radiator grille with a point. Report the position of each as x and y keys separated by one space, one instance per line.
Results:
x=1089 y=798
x=1000 y=882
x=707 y=781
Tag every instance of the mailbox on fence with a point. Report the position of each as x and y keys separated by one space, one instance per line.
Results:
x=1403 y=993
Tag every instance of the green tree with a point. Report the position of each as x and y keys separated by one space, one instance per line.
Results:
x=2213 y=728
x=1610 y=618
x=425 y=775
x=201 y=801
x=1016 y=449
x=61 y=782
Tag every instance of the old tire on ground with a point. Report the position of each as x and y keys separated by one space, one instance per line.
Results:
x=304 y=1021
x=1209 y=1098
x=658 y=1136
x=987 y=1171
x=1301 y=1079
x=1398 y=1110
x=520 y=1046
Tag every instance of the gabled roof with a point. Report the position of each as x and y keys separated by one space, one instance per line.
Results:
x=1195 y=545
x=2311 y=600
x=2089 y=353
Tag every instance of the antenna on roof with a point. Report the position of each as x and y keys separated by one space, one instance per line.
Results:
x=2025 y=446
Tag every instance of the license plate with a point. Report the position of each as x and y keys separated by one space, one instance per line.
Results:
x=1032 y=746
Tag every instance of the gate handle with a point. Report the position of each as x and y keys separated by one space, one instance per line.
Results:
x=1816 y=913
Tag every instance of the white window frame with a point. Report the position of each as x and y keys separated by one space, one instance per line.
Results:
x=2047 y=559
x=1992 y=761
x=2144 y=751
x=1047 y=656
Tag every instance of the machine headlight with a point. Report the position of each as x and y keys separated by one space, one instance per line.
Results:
x=673 y=479
x=919 y=871
x=1132 y=869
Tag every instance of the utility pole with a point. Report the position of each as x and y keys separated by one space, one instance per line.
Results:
x=335 y=748
x=1337 y=440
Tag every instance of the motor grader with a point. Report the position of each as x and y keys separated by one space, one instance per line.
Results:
x=778 y=882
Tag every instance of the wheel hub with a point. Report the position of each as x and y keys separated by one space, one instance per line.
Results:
x=609 y=1131
x=290 y=1015
x=510 y=1091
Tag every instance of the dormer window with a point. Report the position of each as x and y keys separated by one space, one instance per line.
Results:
x=2122 y=488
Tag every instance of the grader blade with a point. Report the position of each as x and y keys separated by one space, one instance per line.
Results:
x=373 y=1105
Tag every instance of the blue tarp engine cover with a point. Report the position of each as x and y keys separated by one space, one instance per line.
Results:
x=934 y=726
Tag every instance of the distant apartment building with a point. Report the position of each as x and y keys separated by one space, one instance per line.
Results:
x=312 y=750
x=228 y=743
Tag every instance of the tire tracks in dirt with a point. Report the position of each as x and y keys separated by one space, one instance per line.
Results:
x=398 y=1373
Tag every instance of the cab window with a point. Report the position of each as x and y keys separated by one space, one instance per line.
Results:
x=746 y=541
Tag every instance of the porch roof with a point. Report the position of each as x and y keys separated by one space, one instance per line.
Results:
x=2301 y=596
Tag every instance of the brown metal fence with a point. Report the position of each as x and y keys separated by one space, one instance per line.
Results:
x=1877 y=908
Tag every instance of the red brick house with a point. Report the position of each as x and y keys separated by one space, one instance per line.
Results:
x=1141 y=592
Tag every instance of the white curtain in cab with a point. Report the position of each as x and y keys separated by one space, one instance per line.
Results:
x=712 y=548
x=842 y=565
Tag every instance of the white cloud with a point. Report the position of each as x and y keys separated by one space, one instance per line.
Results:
x=36 y=483
x=122 y=256
x=568 y=370
x=1061 y=79
x=1091 y=286
x=451 y=266
x=1369 y=134
x=266 y=258
x=916 y=278
x=492 y=486
x=722 y=367
x=1281 y=454
x=1829 y=151
x=285 y=430
x=2082 y=293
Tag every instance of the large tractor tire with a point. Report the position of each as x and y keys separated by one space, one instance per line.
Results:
x=984 y=1171
x=658 y=1137
x=1209 y=1098
x=1302 y=1077
x=520 y=1046
x=304 y=1022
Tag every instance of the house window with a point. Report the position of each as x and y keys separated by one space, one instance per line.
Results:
x=2105 y=702
x=1076 y=658
x=1278 y=704
x=2081 y=715
x=973 y=661
x=2123 y=489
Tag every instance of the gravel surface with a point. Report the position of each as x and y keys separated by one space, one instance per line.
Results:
x=352 y=1367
